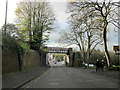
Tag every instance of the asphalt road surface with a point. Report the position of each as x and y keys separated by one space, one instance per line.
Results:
x=67 y=77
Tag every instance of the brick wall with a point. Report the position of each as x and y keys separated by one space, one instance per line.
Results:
x=10 y=61
x=31 y=59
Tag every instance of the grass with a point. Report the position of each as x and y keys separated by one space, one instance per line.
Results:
x=115 y=68
x=30 y=68
x=10 y=73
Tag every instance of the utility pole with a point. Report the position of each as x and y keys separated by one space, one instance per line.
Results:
x=119 y=35
x=6 y=16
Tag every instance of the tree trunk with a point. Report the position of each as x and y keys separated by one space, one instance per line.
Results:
x=29 y=27
x=30 y=33
x=105 y=45
x=34 y=22
x=88 y=52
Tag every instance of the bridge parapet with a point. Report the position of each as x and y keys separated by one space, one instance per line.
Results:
x=57 y=50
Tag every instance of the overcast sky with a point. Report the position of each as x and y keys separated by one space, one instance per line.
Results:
x=59 y=8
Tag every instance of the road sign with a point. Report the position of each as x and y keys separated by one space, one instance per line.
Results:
x=116 y=48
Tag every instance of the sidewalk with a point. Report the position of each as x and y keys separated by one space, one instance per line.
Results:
x=106 y=73
x=112 y=74
x=18 y=79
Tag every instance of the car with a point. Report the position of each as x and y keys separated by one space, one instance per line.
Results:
x=59 y=60
x=55 y=62
x=91 y=65
x=63 y=62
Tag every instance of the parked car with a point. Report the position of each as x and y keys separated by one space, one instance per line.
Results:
x=91 y=65
x=63 y=62
x=55 y=62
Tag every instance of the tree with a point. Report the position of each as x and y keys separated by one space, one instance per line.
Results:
x=22 y=20
x=83 y=31
x=35 y=20
x=44 y=23
x=105 y=12
x=11 y=29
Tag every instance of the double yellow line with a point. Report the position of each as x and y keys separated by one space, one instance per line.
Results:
x=77 y=0
x=36 y=79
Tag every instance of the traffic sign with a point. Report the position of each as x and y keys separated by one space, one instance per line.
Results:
x=116 y=48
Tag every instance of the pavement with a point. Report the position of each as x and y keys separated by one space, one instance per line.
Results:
x=112 y=74
x=18 y=79
x=106 y=73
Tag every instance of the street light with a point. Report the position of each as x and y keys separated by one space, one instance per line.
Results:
x=6 y=16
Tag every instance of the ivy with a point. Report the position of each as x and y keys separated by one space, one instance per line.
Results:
x=11 y=44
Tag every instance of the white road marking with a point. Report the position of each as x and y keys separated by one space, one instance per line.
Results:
x=55 y=79
x=56 y=83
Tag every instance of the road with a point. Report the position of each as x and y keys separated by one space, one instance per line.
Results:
x=53 y=62
x=68 y=77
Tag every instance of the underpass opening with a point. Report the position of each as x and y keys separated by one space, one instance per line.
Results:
x=57 y=56
x=57 y=59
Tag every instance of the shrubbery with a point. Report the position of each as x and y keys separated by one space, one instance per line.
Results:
x=10 y=43
x=23 y=48
x=116 y=68
x=97 y=54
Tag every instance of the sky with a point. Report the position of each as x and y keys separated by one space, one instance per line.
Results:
x=59 y=8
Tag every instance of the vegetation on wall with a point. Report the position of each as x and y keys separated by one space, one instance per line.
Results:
x=10 y=43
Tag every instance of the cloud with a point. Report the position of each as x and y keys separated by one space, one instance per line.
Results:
x=57 y=0
x=64 y=45
x=54 y=36
x=59 y=9
x=11 y=11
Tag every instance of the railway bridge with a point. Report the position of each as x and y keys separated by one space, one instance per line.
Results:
x=49 y=50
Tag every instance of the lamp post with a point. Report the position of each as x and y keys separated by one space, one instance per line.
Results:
x=6 y=16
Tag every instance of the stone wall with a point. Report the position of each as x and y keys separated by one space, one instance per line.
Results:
x=31 y=60
x=11 y=64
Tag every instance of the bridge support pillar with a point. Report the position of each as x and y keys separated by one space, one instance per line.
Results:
x=70 y=53
x=43 y=59
x=43 y=55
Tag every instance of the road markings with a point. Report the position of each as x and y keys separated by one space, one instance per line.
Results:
x=112 y=84
x=35 y=80
x=56 y=83
x=27 y=86
x=55 y=79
